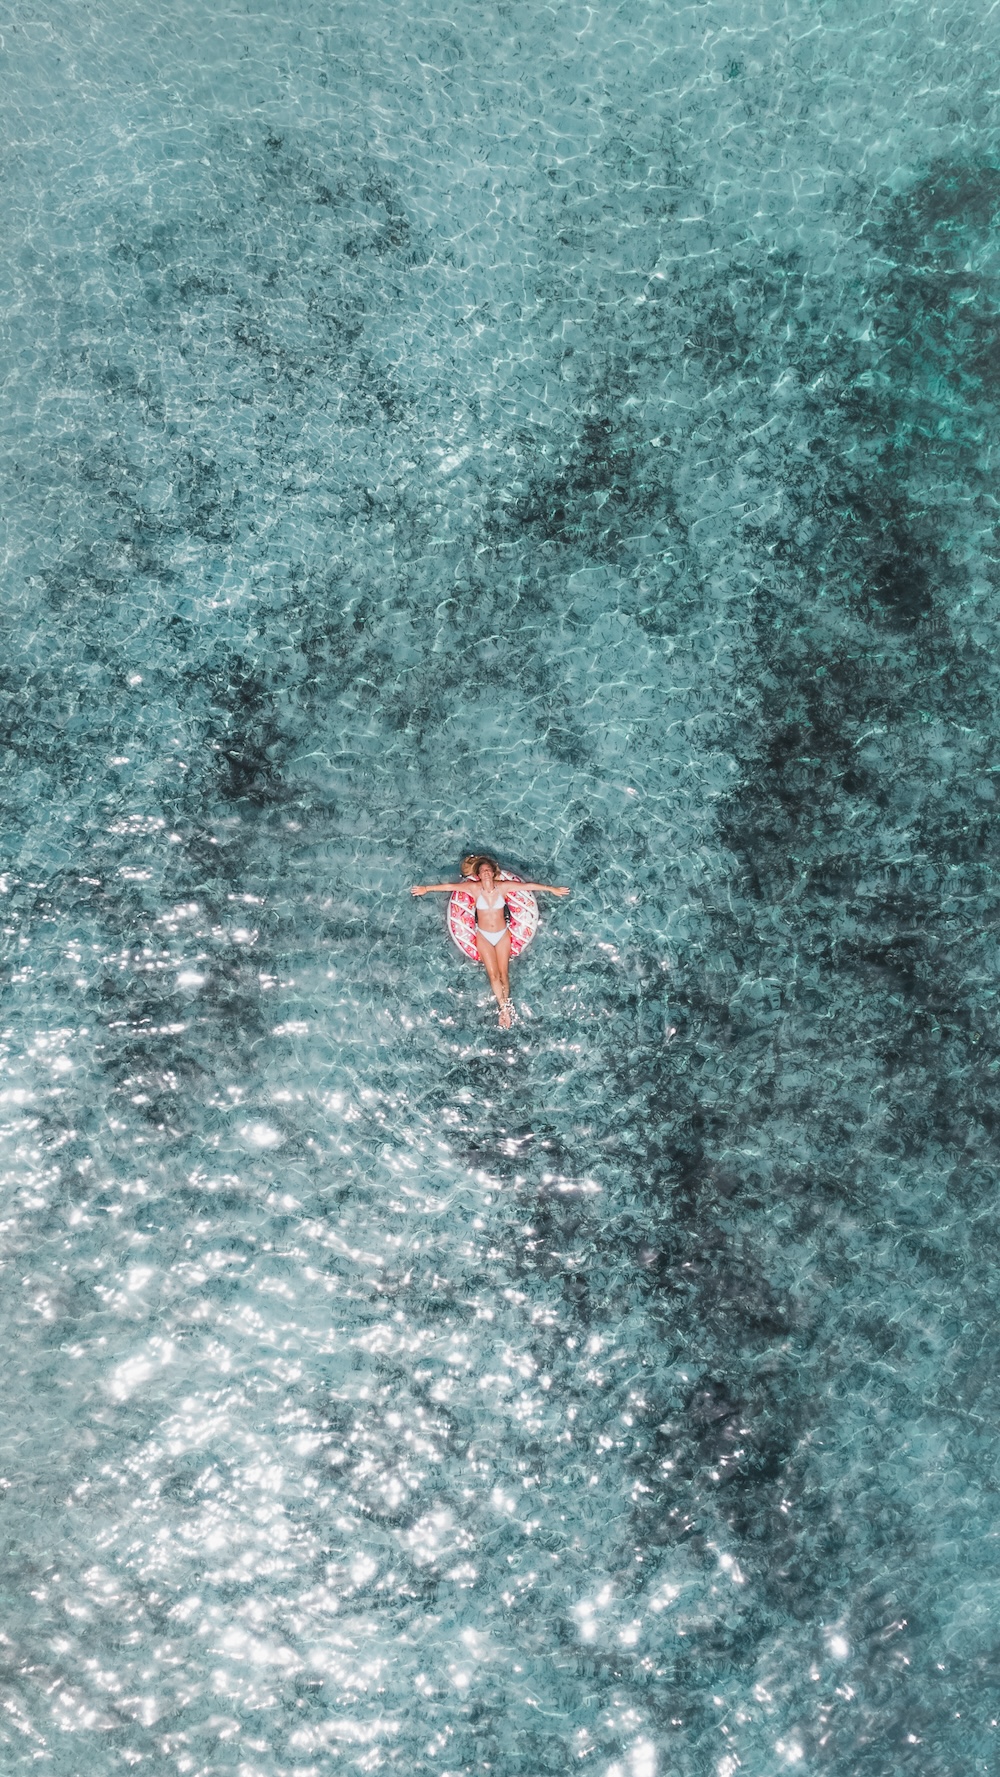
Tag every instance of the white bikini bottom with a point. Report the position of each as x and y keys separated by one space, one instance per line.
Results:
x=492 y=937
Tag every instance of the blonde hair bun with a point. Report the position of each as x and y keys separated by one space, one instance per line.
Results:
x=472 y=865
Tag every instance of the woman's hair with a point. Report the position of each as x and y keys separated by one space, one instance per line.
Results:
x=472 y=865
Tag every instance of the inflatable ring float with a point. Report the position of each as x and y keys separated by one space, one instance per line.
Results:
x=521 y=926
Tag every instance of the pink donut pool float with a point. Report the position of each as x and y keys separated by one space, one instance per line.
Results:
x=522 y=923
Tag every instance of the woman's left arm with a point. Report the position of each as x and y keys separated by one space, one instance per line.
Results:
x=544 y=888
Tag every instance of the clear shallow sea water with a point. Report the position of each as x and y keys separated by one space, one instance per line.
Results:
x=568 y=430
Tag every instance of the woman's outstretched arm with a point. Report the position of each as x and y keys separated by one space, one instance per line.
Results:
x=435 y=888
x=544 y=888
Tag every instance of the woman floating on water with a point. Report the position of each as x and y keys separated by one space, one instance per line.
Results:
x=492 y=935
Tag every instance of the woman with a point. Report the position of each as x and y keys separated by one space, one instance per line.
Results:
x=492 y=937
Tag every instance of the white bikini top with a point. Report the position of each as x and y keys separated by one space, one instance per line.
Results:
x=494 y=906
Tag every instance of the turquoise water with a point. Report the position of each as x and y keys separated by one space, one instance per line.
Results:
x=569 y=430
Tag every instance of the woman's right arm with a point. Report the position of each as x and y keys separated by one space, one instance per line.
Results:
x=442 y=888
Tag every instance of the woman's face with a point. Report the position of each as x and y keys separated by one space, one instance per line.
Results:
x=486 y=877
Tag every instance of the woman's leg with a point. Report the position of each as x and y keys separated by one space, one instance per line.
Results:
x=503 y=958
x=497 y=960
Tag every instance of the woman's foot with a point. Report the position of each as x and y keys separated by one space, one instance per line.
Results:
x=506 y=1014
